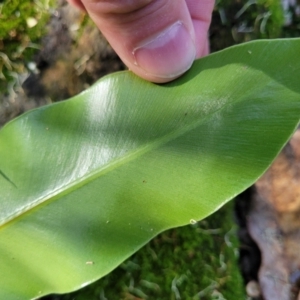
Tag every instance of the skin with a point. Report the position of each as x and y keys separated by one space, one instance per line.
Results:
x=157 y=39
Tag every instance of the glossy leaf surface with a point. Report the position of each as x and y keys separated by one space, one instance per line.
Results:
x=86 y=182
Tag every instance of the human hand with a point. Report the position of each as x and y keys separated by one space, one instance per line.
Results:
x=157 y=39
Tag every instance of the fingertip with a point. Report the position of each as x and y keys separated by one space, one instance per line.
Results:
x=156 y=41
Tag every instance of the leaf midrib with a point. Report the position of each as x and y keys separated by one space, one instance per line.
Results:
x=66 y=189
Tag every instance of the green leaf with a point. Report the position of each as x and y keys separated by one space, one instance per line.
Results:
x=86 y=182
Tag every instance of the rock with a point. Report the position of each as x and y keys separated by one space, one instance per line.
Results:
x=273 y=223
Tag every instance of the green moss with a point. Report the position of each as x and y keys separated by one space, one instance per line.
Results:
x=193 y=262
x=22 y=24
x=272 y=18
x=252 y=19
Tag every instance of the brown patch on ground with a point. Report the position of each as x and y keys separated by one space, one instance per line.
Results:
x=74 y=55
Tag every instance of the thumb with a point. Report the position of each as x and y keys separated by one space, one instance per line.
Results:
x=154 y=38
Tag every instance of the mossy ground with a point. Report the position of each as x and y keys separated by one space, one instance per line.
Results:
x=22 y=24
